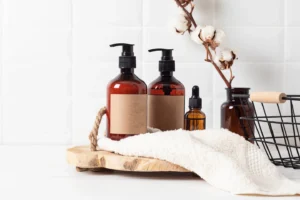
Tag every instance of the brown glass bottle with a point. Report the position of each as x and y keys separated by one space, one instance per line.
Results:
x=236 y=106
x=194 y=119
x=166 y=103
x=126 y=99
x=166 y=84
x=125 y=83
x=166 y=96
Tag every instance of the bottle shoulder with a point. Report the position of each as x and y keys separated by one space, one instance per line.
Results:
x=120 y=79
x=160 y=81
x=166 y=86
x=195 y=113
x=178 y=82
x=127 y=84
x=238 y=103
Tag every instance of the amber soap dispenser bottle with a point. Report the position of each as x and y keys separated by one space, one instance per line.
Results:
x=126 y=99
x=166 y=96
x=194 y=119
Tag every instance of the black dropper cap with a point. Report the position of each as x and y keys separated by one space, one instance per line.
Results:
x=166 y=64
x=195 y=101
x=127 y=59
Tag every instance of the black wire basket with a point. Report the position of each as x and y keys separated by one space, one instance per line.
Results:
x=277 y=132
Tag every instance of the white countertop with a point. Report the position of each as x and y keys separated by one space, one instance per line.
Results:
x=41 y=172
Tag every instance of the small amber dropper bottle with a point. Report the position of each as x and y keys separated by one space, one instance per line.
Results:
x=194 y=119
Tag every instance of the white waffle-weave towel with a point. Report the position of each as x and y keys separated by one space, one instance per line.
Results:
x=223 y=159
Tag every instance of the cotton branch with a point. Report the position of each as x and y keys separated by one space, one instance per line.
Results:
x=228 y=84
x=188 y=14
x=211 y=41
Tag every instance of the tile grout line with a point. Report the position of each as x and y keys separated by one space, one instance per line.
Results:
x=71 y=77
x=1 y=72
x=205 y=63
x=214 y=117
x=284 y=46
x=214 y=22
x=214 y=13
x=142 y=38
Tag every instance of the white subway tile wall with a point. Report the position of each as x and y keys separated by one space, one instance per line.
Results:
x=55 y=61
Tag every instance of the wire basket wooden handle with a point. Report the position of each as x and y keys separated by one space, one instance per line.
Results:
x=268 y=97
x=94 y=133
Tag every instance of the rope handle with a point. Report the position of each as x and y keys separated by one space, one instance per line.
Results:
x=94 y=133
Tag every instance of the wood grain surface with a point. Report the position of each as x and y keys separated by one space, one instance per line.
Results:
x=84 y=159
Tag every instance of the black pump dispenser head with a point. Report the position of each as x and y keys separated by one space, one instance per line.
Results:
x=195 y=101
x=127 y=58
x=166 y=64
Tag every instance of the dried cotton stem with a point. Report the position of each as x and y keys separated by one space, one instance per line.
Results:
x=209 y=57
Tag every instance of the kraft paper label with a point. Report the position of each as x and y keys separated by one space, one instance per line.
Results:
x=165 y=112
x=128 y=113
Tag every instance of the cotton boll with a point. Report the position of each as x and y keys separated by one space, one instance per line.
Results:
x=195 y=35
x=181 y=24
x=181 y=27
x=227 y=55
x=182 y=18
x=207 y=33
x=223 y=58
x=217 y=56
x=219 y=36
x=218 y=52
x=181 y=11
x=217 y=61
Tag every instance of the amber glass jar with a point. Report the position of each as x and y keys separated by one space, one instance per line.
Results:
x=236 y=107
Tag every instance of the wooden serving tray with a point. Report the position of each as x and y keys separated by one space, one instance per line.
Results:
x=88 y=158
x=85 y=159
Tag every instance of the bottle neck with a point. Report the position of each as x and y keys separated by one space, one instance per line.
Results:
x=166 y=74
x=237 y=91
x=195 y=109
x=127 y=71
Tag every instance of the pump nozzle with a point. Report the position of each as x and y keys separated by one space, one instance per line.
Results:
x=127 y=58
x=127 y=48
x=166 y=53
x=166 y=63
